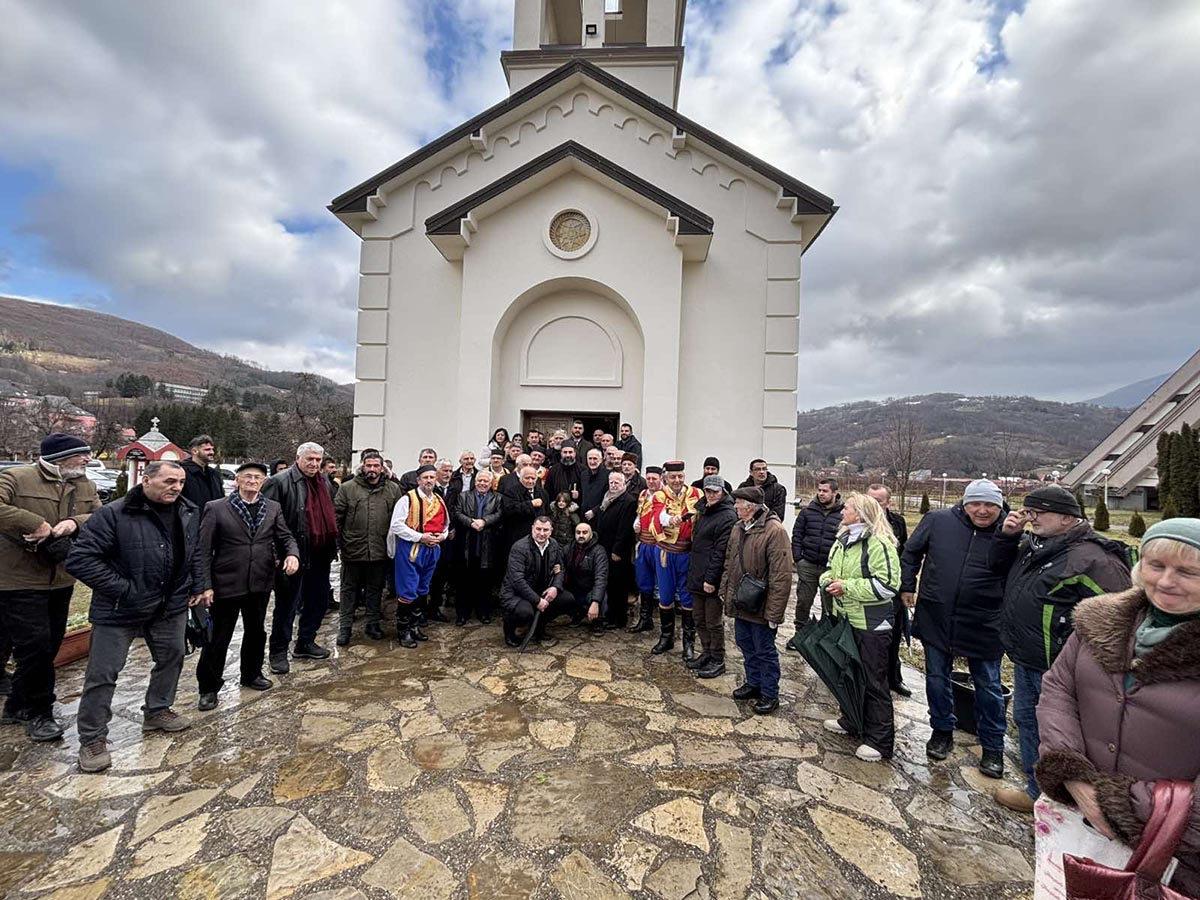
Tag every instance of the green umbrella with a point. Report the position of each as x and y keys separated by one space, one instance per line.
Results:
x=828 y=646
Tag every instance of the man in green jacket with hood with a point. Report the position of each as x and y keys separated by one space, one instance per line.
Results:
x=363 y=507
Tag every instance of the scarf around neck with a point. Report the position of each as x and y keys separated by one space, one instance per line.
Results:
x=318 y=512
x=252 y=518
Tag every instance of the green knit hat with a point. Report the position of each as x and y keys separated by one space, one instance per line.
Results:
x=1186 y=531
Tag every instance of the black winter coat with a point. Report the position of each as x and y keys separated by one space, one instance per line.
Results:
x=203 y=485
x=635 y=485
x=232 y=561
x=478 y=545
x=958 y=607
x=698 y=484
x=774 y=494
x=614 y=526
x=459 y=484
x=592 y=488
x=899 y=528
x=519 y=511
x=289 y=489
x=710 y=540
x=631 y=445
x=561 y=479
x=587 y=579
x=530 y=572
x=815 y=530
x=124 y=555
x=1044 y=584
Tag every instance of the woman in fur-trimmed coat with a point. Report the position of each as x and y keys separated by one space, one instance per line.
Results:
x=1120 y=708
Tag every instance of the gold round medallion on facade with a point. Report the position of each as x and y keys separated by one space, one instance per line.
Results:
x=570 y=230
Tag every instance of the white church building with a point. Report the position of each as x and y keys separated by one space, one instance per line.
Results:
x=582 y=250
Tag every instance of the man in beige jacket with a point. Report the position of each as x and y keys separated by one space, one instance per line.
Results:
x=42 y=506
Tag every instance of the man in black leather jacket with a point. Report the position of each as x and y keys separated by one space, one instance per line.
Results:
x=139 y=556
x=307 y=591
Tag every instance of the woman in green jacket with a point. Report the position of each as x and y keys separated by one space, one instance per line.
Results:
x=862 y=577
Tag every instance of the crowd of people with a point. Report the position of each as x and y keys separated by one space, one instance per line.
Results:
x=537 y=529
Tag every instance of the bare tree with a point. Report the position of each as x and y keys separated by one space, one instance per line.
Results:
x=111 y=416
x=904 y=448
x=15 y=432
x=51 y=414
x=1008 y=453
x=317 y=413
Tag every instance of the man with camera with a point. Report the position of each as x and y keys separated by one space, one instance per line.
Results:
x=42 y=508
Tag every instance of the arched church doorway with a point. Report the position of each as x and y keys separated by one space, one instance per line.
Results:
x=571 y=353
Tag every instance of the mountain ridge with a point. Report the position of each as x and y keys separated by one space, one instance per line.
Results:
x=50 y=349
x=1132 y=395
x=960 y=435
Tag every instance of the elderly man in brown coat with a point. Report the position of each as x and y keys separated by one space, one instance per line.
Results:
x=42 y=506
x=755 y=587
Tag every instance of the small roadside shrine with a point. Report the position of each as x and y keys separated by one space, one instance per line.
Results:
x=150 y=446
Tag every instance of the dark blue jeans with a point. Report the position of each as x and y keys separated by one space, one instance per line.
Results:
x=1027 y=690
x=761 y=656
x=989 y=698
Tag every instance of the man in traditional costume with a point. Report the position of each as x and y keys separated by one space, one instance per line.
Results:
x=671 y=513
x=420 y=523
x=644 y=558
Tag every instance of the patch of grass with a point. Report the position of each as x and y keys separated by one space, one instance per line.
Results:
x=77 y=612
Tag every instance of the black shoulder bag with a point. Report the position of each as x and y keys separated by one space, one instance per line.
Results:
x=751 y=594
x=55 y=550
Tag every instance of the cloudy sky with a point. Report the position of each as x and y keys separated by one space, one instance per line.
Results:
x=1019 y=182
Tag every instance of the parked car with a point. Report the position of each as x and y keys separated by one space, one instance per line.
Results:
x=106 y=483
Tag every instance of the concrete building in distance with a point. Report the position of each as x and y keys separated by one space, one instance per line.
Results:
x=581 y=249
x=184 y=393
x=1124 y=461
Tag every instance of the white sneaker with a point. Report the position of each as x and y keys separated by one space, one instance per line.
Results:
x=834 y=726
x=868 y=754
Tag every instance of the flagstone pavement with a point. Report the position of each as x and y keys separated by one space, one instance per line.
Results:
x=591 y=771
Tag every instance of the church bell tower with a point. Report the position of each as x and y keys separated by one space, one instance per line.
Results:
x=638 y=41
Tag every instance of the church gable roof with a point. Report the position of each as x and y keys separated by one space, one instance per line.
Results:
x=808 y=201
x=450 y=229
x=691 y=220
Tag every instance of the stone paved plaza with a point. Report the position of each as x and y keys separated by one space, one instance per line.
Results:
x=592 y=771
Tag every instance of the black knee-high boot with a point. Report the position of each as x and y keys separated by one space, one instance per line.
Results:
x=645 y=620
x=689 y=635
x=666 y=636
x=404 y=626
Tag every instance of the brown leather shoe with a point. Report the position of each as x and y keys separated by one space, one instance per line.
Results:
x=1017 y=801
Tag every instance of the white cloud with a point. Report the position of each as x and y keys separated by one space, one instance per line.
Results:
x=183 y=140
x=1030 y=229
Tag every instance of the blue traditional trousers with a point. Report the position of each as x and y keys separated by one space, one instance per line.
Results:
x=415 y=564
x=644 y=565
x=672 y=570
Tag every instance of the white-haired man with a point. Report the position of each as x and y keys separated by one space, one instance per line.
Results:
x=303 y=492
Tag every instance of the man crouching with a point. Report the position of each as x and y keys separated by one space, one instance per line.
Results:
x=533 y=585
